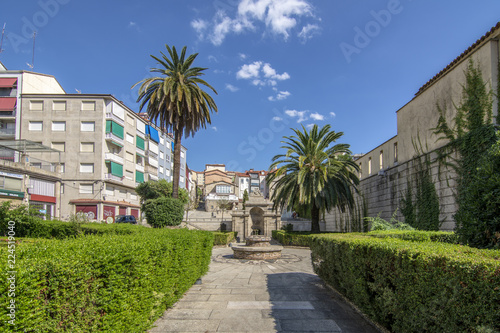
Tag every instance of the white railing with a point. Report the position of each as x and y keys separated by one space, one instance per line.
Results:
x=140 y=151
x=112 y=137
x=139 y=167
x=110 y=176
x=111 y=116
x=113 y=157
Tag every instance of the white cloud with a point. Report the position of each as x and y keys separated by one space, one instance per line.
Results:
x=133 y=25
x=332 y=114
x=280 y=96
x=242 y=56
x=308 y=32
x=249 y=71
x=231 y=88
x=254 y=71
x=212 y=58
x=309 y=126
x=277 y=118
x=317 y=116
x=200 y=26
x=278 y=16
x=300 y=115
x=214 y=128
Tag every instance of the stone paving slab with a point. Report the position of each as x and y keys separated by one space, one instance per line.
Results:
x=282 y=295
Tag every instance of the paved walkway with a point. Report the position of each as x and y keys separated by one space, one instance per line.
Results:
x=261 y=296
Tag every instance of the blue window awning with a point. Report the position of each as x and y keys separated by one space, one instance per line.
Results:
x=153 y=133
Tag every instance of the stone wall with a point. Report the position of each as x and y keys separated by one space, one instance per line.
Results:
x=382 y=194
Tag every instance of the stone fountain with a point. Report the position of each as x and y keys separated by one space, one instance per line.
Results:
x=257 y=247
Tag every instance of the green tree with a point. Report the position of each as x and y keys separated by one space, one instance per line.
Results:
x=158 y=189
x=176 y=101
x=245 y=198
x=313 y=172
x=223 y=205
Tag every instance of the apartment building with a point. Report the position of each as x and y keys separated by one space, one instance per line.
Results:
x=24 y=179
x=90 y=149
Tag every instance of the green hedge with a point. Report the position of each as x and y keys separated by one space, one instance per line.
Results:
x=292 y=238
x=410 y=286
x=224 y=238
x=34 y=227
x=109 y=283
x=417 y=235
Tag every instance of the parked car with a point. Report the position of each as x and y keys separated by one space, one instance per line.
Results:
x=125 y=219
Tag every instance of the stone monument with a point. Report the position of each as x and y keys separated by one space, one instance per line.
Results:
x=257 y=218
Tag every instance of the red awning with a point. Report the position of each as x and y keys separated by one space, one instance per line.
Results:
x=7 y=82
x=7 y=103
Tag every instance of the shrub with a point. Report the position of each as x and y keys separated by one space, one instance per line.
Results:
x=292 y=238
x=378 y=223
x=108 y=283
x=163 y=212
x=224 y=238
x=413 y=286
x=417 y=235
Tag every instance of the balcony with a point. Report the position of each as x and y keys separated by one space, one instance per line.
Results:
x=140 y=151
x=109 y=176
x=111 y=116
x=113 y=157
x=7 y=133
x=149 y=153
x=8 y=114
x=139 y=167
x=152 y=177
x=114 y=139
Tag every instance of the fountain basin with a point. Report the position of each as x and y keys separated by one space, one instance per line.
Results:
x=257 y=252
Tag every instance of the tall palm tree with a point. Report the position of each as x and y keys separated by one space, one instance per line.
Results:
x=313 y=173
x=176 y=99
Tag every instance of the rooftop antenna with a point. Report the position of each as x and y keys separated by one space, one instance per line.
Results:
x=33 y=57
x=1 y=40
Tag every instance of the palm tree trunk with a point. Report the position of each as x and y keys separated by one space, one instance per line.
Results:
x=177 y=162
x=315 y=219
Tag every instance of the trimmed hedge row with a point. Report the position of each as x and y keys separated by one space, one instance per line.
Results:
x=110 y=283
x=34 y=227
x=413 y=286
x=417 y=235
x=224 y=238
x=292 y=238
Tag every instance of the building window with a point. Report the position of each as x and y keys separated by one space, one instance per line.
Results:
x=167 y=172
x=87 y=167
x=88 y=106
x=381 y=159
x=223 y=189
x=162 y=141
x=87 y=126
x=181 y=179
x=61 y=146
x=86 y=188
x=36 y=105
x=59 y=105
x=129 y=174
x=139 y=160
x=130 y=120
x=130 y=138
x=369 y=166
x=35 y=126
x=63 y=167
x=162 y=155
x=87 y=147
x=162 y=170
x=395 y=152
x=129 y=157
x=62 y=188
x=360 y=170
x=59 y=126
x=183 y=155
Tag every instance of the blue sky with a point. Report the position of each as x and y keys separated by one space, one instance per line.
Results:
x=276 y=64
